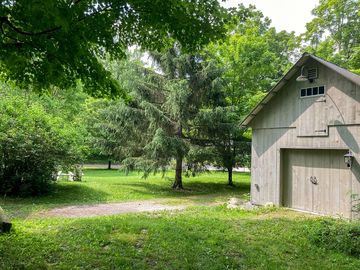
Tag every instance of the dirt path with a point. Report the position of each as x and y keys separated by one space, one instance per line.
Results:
x=108 y=209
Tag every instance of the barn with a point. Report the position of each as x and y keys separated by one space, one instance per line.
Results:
x=306 y=140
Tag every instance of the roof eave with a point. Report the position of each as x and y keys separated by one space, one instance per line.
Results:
x=247 y=120
x=304 y=58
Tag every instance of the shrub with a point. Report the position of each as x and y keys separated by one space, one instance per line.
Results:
x=33 y=143
x=355 y=202
x=337 y=235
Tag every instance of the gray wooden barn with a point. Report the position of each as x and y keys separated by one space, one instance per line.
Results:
x=306 y=140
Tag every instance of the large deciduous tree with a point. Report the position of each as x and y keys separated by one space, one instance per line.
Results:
x=334 y=33
x=46 y=42
x=254 y=56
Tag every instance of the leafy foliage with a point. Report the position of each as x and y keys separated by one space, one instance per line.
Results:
x=248 y=62
x=117 y=127
x=71 y=36
x=254 y=56
x=224 y=145
x=151 y=130
x=337 y=235
x=334 y=33
x=190 y=105
x=33 y=143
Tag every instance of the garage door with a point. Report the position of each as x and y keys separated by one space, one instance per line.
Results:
x=316 y=181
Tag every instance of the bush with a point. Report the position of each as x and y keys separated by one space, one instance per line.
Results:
x=33 y=143
x=337 y=235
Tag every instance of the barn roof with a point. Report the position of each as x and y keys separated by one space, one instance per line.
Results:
x=304 y=58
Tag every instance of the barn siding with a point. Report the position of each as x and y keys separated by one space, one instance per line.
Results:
x=342 y=100
x=277 y=126
x=267 y=144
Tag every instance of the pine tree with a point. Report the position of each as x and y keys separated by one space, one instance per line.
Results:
x=222 y=140
x=154 y=128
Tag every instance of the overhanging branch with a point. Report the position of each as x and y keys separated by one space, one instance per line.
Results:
x=5 y=20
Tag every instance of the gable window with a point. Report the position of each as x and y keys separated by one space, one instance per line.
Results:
x=312 y=91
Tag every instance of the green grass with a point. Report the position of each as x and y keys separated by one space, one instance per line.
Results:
x=198 y=238
x=100 y=186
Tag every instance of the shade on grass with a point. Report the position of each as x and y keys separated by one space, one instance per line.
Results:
x=199 y=238
x=100 y=186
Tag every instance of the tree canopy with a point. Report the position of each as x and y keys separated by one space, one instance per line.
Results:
x=45 y=43
x=187 y=109
x=334 y=33
x=35 y=142
x=254 y=56
x=155 y=127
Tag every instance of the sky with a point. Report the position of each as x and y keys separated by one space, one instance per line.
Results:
x=289 y=15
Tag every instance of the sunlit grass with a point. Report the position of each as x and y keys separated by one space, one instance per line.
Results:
x=101 y=186
x=211 y=237
x=197 y=238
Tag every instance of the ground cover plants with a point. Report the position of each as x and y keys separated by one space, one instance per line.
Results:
x=200 y=237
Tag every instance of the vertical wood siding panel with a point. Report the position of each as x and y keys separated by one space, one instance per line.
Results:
x=336 y=184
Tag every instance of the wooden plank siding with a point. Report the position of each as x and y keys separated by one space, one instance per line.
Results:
x=276 y=128
x=330 y=194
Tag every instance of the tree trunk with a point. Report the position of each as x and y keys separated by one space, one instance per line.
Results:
x=109 y=165
x=178 y=175
x=230 y=179
x=178 y=169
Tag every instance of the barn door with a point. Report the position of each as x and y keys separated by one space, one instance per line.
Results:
x=313 y=116
x=317 y=181
x=332 y=188
x=297 y=192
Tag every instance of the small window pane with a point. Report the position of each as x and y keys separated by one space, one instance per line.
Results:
x=315 y=91
x=309 y=91
x=321 y=90
x=303 y=92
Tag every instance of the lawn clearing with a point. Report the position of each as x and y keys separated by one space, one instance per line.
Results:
x=197 y=238
x=102 y=186
x=211 y=237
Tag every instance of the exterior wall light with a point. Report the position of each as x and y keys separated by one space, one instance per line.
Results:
x=348 y=159
x=302 y=77
x=307 y=74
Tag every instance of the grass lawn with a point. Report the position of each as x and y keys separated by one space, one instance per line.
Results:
x=101 y=186
x=197 y=238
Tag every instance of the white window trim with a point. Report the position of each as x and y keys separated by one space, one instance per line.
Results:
x=318 y=95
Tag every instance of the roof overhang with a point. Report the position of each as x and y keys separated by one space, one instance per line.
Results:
x=295 y=68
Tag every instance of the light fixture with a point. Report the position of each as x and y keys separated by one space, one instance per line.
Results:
x=302 y=77
x=348 y=159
